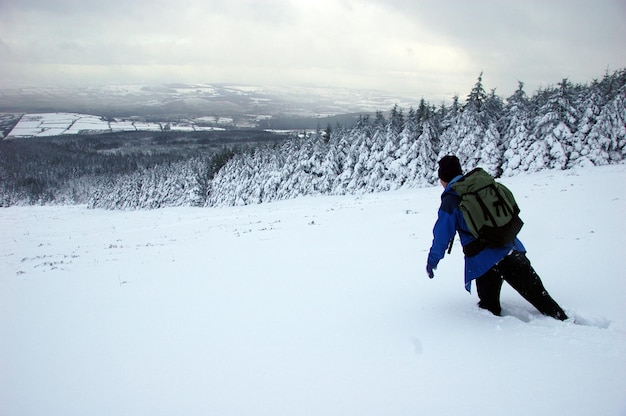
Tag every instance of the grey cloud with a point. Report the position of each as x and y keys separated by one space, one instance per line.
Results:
x=330 y=42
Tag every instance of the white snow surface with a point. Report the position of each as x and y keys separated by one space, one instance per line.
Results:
x=55 y=124
x=312 y=306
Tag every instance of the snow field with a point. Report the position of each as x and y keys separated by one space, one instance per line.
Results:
x=56 y=124
x=312 y=306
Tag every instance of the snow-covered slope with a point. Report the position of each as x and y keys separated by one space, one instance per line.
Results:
x=312 y=306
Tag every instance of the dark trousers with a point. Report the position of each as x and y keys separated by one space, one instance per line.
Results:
x=516 y=270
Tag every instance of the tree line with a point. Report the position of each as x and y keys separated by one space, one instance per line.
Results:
x=161 y=169
x=558 y=127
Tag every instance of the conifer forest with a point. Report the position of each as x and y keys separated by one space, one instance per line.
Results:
x=562 y=126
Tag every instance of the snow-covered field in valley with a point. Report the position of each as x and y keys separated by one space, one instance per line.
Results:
x=313 y=306
x=56 y=124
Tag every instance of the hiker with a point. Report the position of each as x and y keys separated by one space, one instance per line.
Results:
x=487 y=265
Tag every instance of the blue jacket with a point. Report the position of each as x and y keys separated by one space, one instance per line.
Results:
x=449 y=221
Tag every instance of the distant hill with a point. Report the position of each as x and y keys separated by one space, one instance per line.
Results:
x=213 y=105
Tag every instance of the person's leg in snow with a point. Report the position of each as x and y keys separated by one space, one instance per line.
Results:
x=488 y=287
x=517 y=271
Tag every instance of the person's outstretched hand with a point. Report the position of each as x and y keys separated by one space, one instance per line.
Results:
x=430 y=270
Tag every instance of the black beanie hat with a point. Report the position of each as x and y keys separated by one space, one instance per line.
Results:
x=449 y=168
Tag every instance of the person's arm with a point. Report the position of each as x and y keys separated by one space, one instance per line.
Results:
x=443 y=231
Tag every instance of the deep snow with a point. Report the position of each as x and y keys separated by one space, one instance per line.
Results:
x=313 y=306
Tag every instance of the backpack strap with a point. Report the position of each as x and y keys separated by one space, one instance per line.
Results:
x=473 y=248
x=470 y=249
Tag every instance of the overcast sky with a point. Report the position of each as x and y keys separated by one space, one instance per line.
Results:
x=431 y=49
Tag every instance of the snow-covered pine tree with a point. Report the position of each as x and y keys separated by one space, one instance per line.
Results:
x=516 y=122
x=611 y=127
x=334 y=160
x=385 y=173
x=361 y=153
x=425 y=148
x=396 y=121
x=556 y=126
x=403 y=154
x=473 y=135
x=375 y=170
x=348 y=158
x=490 y=155
x=589 y=149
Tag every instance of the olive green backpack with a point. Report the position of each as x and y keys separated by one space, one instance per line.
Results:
x=489 y=209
